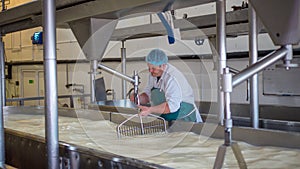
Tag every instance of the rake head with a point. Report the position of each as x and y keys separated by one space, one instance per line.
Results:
x=138 y=125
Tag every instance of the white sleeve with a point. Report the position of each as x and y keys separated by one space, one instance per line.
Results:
x=149 y=86
x=173 y=94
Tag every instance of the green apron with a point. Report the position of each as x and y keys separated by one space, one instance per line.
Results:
x=186 y=111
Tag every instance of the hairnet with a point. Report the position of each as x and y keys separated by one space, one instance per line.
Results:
x=157 y=57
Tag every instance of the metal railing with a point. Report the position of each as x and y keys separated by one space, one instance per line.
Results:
x=71 y=97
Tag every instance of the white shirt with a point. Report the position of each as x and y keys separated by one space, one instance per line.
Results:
x=176 y=89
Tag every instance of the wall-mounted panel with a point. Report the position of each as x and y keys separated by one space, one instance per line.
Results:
x=282 y=82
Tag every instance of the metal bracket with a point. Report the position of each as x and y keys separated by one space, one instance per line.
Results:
x=226 y=81
x=287 y=64
x=199 y=41
x=115 y=163
x=64 y=163
x=237 y=153
x=71 y=160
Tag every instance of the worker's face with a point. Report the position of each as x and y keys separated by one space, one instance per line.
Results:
x=156 y=71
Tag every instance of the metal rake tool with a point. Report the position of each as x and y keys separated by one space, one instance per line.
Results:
x=138 y=125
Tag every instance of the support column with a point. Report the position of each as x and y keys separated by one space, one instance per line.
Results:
x=2 y=62
x=50 y=75
x=2 y=143
x=221 y=49
x=93 y=73
x=123 y=57
x=253 y=57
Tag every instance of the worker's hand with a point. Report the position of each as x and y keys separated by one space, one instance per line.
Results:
x=143 y=98
x=145 y=111
x=131 y=97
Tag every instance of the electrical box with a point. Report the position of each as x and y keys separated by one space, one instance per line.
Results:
x=37 y=38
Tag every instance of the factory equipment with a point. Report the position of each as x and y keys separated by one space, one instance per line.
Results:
x=79 y=146
x=138 y=125
x=25 y=150
x=135 y=124
x=280 y=34
x=134 y=80
x=90 y=157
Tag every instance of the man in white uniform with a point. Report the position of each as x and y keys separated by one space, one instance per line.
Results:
x=168 y=91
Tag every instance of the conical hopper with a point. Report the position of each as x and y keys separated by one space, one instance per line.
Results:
x=93 y=35
x=281 y=19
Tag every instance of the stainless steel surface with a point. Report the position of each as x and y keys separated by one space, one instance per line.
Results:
x=110 y=70
x=253 y=56
x=287 y=60
x=30 y=15
x=221 y=49
x=260 y=65
x=2 y=62
x=29 y=151
x=233 y=30
x=93 y=73
x=93 y=35
x=123 y=57
x=2 y=103
x=136 y=87
x=227 y=89
x=237 y=153
x=21 y=100
x=50 y=77
x=281 y=19
x=233 y=70
x=134 y=80
x=190 y=28
x=120 y=106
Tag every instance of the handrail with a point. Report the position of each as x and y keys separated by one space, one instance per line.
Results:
x=21 y=100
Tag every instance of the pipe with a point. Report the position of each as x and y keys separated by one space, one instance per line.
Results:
x=110 y=70
x=2 y=62
x=3 y=5
x=92 y=79
x=221 y=48
x=123 y=58
x=2 y=143
x=67 y=73
x=136 y=87
x=253 y=55
x=50 y=69
x=259 y=66
x=233 y=70
x=227 y=89
x=170 y=31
